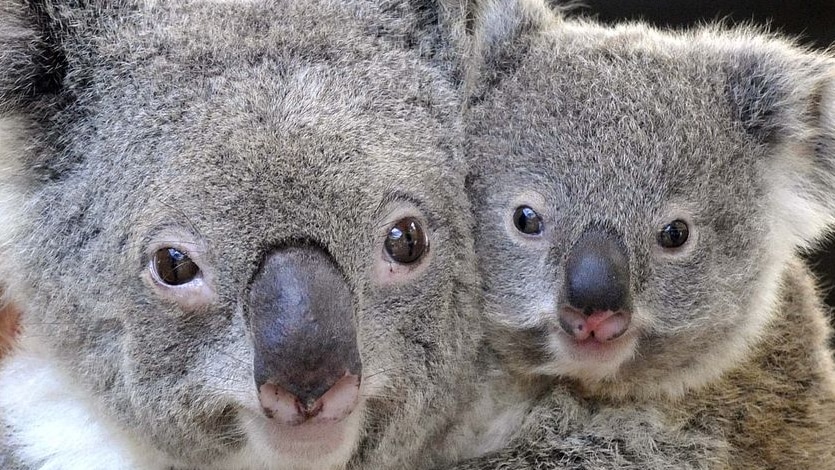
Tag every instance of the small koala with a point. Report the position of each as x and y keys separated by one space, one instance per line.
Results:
x=641 y=197
x=238 y=232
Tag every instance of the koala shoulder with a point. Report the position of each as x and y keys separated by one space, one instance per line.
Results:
x=777 y=408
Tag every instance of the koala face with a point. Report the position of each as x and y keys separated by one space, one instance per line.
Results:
x=638 y=195
x=252 y=248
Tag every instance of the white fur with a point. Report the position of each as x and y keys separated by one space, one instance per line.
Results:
x=589 y=369
x=55 y=426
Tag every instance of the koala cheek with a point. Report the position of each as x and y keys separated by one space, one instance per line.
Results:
x=531 y=301
x=193 y=298
x=387 y=272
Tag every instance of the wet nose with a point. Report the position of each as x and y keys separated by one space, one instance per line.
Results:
x=307 y=364
x=597 y=273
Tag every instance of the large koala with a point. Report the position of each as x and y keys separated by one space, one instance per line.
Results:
x=640 y=199
x=237 y=233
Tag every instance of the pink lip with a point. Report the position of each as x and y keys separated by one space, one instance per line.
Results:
x=590 y=348
x=602 y=325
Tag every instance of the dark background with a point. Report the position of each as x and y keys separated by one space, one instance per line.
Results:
x=812 y=23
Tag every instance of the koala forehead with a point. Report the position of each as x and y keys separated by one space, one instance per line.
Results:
x=619 y=123
x=230 y=122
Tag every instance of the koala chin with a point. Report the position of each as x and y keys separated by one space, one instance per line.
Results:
x=640 y=199
x=238 y=232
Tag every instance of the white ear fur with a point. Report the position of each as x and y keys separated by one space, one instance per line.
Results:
x=498 y=26
x=804 y=177
x=501 y=21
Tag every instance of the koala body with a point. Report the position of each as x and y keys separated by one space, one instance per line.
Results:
x=640 y=199
x=237 y=231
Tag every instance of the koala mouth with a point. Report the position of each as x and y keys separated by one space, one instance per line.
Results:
x=600 y=326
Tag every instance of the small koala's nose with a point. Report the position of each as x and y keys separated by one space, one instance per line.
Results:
x=597 y=273
x=307 y=364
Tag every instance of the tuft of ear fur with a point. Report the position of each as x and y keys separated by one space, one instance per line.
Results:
x=500 y=32
x=33 y=63
x=773 y=90
x=786 y=100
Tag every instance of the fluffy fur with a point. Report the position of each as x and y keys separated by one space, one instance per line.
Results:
x=629 y=128
x=230 y=128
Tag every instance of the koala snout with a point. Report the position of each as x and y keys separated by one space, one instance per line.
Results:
x=307 y=364
x=597 y=288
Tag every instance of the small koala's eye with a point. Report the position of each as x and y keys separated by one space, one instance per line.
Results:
x=673 y=235
x=406 y=241
x=527 y=221
x=174 y=267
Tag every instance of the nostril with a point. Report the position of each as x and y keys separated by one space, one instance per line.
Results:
x=334 y=404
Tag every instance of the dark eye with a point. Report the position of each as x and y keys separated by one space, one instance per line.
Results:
x=527 y=220
x=406 y=241
x=673 y=235
x=174 y=267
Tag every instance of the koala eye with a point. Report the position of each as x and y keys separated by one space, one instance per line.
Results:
x=527 y=221
x=406 y=241
x=673 y=235
x=173 y=267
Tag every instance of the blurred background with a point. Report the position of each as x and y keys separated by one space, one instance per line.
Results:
x=811 y=22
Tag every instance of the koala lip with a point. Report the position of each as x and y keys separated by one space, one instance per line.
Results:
x=600 y=326
x=333 y=406
x=319 y=426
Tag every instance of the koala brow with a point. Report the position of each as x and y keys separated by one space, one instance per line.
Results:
x=394 y=196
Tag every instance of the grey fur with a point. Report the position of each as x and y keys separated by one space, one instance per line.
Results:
x=237 y=126
x=628 y=128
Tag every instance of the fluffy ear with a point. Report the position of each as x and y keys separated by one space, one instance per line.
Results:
x=32 y=64
x=785 y=99
x=31 y=75
x=500 y=30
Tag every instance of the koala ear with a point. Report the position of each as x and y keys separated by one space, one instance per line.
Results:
x=32 y=63
x=785 y=99
x=32 y=66
x=499 y=30
x=772 y=89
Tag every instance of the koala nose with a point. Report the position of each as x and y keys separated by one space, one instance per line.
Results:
x=596 y=288
x=597 y=273
x=307 y=365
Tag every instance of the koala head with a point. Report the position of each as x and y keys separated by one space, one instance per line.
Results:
x=238 y=226
x=639 y=193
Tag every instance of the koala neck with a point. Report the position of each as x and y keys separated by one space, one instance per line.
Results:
x=788 y=373
x=503 y=402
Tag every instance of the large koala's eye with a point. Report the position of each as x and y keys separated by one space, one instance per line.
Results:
x=527 y=221
x=406 y=241
x=173 y=267
x=673 y=235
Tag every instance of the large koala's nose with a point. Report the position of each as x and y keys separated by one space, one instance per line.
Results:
x=307 y=365
x=597 y=288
